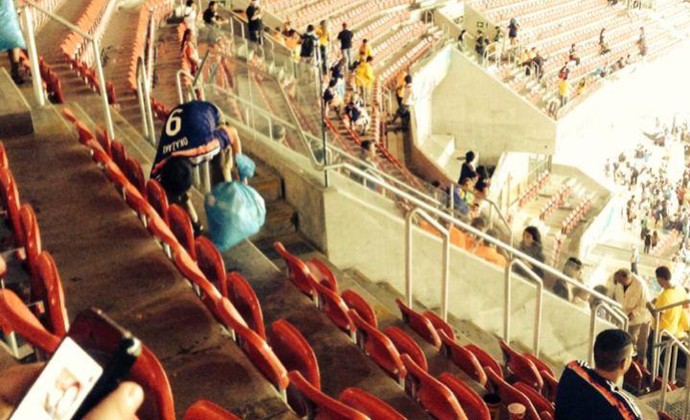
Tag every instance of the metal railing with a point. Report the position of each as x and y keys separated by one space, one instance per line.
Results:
x=672 y=346
x=656 y=313
x=29 y=5
x=144 y=98
x=535 y=279
x=613 y=312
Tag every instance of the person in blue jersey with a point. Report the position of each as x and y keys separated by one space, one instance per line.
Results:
x=586 y=393
x=193 y=133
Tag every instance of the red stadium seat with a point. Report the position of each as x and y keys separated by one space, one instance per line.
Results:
x=181 y=226
x=440 y=324
x=32 y=246
x=210 y=261
x=473 y=405
x=16 y=317
x=47 y=274
x=320 y=405
x=188 y=268
x=206 y=410
x=463 y=358
x=148 y=372
x=119 y=154
x=550 y=385
x=541 y=366
x=539 y=401
x=104 y=139
x=297 y=271
x=116 y=176
x=136 y=201
x=420 y=324
x=242 y=296
x=485 y=359
x=406 y=345
x=135 y=174
x=84 y=133
x=368 y=405
x=156 y=196
x=335 y=308
x=323 y=274
x=379 y=347
x=357 y=303
x=4 y=162
x=521 y=367
x=435 y=397
x=162 y=233
x=510 y=395
x=69 y=115
x=10 y=198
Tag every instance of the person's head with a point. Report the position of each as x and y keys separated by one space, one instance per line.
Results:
x=408 y=79
x=310 y=28
x=493 y=232
x=212 y=5
x=287 y=24
x=278 y=132
x=365 y=41
x=369 y=148
x=344 y=25
x=189 y=3
x=478 y=223
x=469 y=156
x=599 y=289
x=323 y=24
x=370 y=59
x=531 y=235
x=623 y=277
x=467 y=183
x=663 y=276
x=572 y=46
x=479 y=32
x=613 y=351
x=573 y=268
x=176 y=176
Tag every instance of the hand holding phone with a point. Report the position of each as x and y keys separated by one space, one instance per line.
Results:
x=88 y=365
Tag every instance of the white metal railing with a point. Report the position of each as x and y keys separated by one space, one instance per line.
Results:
x=30 y=5
x=672 y=346
x=656 y=353
x=615 y=313
x=144 y=98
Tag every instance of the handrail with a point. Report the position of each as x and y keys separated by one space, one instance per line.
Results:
x=508 y=302
x=35 y=71
x=493 y=205
x=613 y=312
x=656 y=312
x=446 y=258
x=672 y=344
x=144 y=97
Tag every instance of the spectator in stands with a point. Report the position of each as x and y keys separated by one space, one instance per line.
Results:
x=338 y=74
x=466 y=192
x=573 y=56
x=633 y=295
x=254 y=22
x=279 y=134
x=308 y=44
x=211 y=16
x=189 y=15
x=120 y=404
x=480 y=46
x=532 y=246
x=462 y=38
x=190 y=55
x=324 y=44
x=368 y=152
x=603 y=45
x=586 y=393
x=345 y=37
x=564 y=72
x=563 y=91
x=331 y=98
x=364 y=78
x=287 y=31
x=572 y=269
x=472 y=241
x=593 y=301
x=483 y=182
x=487 y=250
x=365 y=50
x=538 y=65
x=673 y=320
x=404 y=103
x=513 y=28
x=359 y=119
x=467 y=169
x=634 y=259
x=642 y=42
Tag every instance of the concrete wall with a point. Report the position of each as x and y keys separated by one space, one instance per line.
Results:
x=486 y=116
x=373 y=242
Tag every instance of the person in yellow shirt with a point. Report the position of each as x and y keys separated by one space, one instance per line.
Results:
x=563 y=91
x=324 y=42
x=673 y=320
x=364 y=78
x=365 y=50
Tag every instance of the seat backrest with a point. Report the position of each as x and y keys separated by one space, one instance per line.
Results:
x=406 y=345
x=633 y=377
x=67 y=113
x=242 y=296
x=206 y=410
x=463 y=358
x=136 y=201
x=379 y=347
x=368 y=405
x=119 y=154
x=47 y=274
x=10 y=197
x=334 y=307
x=321 y=405
x=210 y=260
x=135 y=174
x=85 y=135
x=32 y=245
x=485 y=359
x=510 y=395
x=298 y=272
x=16 y=316
x=358 y=304
x=541 y=366
x=521 y=367
x=157 y=197
x=435 y=397
x=103 y=139
x=473 y=405
x=294 y=351
x=188 y=268
x=323 y=274
x=181 y=226
x=4 y=160
x=419 y=324
x=148 y=372
x=439 y=324
x=550 y=385
x=539 y=401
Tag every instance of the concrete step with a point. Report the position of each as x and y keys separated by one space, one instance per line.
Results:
x=15 y=113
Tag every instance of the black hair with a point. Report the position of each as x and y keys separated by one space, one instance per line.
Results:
x=408 y=79
x=469 y=156
x=184 y=38
x=610 y=349
x=366 y=144
x=176 y=176
x=310 y=28
x=663 y=273
x=534 y=233
x=211 y=4
x=190 y=3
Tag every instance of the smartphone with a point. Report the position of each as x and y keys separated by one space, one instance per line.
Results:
x=92 y=359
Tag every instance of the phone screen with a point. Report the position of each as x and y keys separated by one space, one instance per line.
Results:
x=62 y=386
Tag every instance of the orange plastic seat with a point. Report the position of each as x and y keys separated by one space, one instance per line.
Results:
x=368 y=405
x=69 y=115
x=335 y=308
x=210 y=261
x=485 y=359
x=322 y=274
x=419 y=324
x=358 y=304
x=321 y=405
x=521 y=367
x=32 y=246
x=4 y=161
x=510 y=395
x=135 y=174
x=84 y=133
x=10 y=198
x=119 y=154
x=435 y=397
x=181 y=227
x=16 y=317
x=463 y=358
x=148 y=372
x=103 y=139
x=297 y=271
x=188 y=268
x=440 y=324
x=472 y=404
x=240 y=293
x=406 y=345
x=156 y=196
x=539 y=401
x=206 y=410
x=56 y=320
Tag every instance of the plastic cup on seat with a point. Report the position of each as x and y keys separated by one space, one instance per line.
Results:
x=516 y=411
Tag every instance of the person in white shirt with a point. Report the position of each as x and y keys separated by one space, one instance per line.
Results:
x=633 y=294
x=189 y=15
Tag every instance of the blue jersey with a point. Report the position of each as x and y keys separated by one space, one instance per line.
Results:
x=191 y=130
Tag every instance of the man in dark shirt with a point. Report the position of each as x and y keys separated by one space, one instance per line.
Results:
x=211 y=16
x=254 y=21
x=345 y=38
x=586 y=393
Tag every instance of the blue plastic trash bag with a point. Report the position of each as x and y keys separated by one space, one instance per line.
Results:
x=245 y=166
x=10 y=33
x=235 y=212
